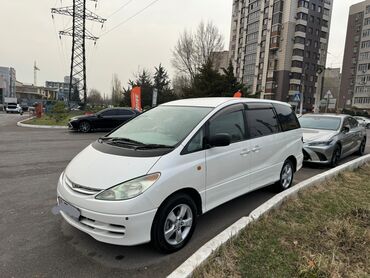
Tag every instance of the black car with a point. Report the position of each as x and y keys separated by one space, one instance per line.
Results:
x=109 y=118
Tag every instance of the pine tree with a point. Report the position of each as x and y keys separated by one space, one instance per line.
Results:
x=207 y=83
x=231 y=83
x=162 y=84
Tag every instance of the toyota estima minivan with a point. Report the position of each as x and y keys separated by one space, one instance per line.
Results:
x=151 y=178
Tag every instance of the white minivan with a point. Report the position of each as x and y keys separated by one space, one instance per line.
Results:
x=151 y=178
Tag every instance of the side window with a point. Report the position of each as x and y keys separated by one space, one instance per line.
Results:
x=109 y=113
x=287 y=118
x=125 y=112
x=261 y=122
x=230 y=122
x=346 y=122
x=196 y=143
x=353 y=123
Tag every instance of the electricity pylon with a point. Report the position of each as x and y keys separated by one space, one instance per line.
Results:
x=79 y=35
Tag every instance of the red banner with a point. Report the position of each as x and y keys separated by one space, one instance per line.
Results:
x=136 y=98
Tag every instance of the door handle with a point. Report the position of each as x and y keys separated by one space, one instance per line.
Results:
x=256 y=149
x=245 y=152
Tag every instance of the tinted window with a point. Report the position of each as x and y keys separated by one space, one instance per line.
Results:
x=125 y=112
x=261 y=122
x=288 y=119
x=112 y=112
x=230 y=122
x=353 y=122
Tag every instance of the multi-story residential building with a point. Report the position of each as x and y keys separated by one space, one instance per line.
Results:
x=355 y=85
x=7 y=83
x=279 y=47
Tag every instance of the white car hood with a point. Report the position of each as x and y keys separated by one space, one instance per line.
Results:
x=98 y=170
x=310 y=135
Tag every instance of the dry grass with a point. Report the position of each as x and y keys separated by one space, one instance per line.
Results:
x=325 y=232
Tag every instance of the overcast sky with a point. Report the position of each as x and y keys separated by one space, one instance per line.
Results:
x=28 y=33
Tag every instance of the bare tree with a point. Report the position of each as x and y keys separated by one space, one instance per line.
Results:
x=194 y=49
x=95 y=97
x=117 y=91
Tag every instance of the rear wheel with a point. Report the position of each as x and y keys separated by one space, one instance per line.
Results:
x=174 y=223
x=84 y=127
x=286 y=176
x=361 y=150
x=335 y=157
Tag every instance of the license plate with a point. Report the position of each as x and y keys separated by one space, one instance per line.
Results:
x=69 y=209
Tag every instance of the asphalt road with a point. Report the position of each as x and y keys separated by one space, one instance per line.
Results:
x=36 y=243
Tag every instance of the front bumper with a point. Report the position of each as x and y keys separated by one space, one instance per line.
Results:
x=318 y=154
x=73 y=125
x=127 y=230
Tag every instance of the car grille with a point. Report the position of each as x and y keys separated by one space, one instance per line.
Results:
x=81 y=189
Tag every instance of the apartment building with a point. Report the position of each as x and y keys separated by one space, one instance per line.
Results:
x=355 y=84
x=279 y=48
x=7 y=83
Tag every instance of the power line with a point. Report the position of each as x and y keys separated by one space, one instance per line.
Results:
x=120 y=8
x=131 y=17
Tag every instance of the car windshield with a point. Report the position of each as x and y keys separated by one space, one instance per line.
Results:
x=163 y=125
x=326 y=123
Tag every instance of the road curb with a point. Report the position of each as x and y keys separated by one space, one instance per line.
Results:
x=200 y=256
x=21 y=124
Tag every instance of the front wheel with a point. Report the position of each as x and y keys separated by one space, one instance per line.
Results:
x=335 y=157
x=174 y=223
x=286 y=176
x=361 y=150
x=84 y=127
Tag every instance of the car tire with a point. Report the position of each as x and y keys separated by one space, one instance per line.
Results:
x=335 y=157
x=174 y=223
x=84 y=127
x=368 y=126
x=361 y=150
x=286 y=176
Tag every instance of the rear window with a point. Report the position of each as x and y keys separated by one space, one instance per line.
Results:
x=287 y=118
x=261 y=122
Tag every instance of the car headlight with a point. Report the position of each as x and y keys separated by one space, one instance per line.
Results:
x=129 y=189
x=320 y=143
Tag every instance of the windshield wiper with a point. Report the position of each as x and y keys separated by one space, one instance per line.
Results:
x=155 y=146
x=119 y=140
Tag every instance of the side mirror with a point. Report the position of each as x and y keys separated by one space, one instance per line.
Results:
x=345 y=129
x=99 y=116
x=220 y=140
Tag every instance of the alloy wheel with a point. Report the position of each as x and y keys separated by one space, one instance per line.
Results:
x=178 y=224
x=85 y=127
x=286 y=175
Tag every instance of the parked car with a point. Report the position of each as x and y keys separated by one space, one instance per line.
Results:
x=13 y=108
x=328 y=138
x=365 y=122
x=106 y=119
x=151 y=178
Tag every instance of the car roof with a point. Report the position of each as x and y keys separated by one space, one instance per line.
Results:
x=214 y=102
x=339 y=116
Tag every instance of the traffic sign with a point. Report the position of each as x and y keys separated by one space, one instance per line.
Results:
x=297 y=97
